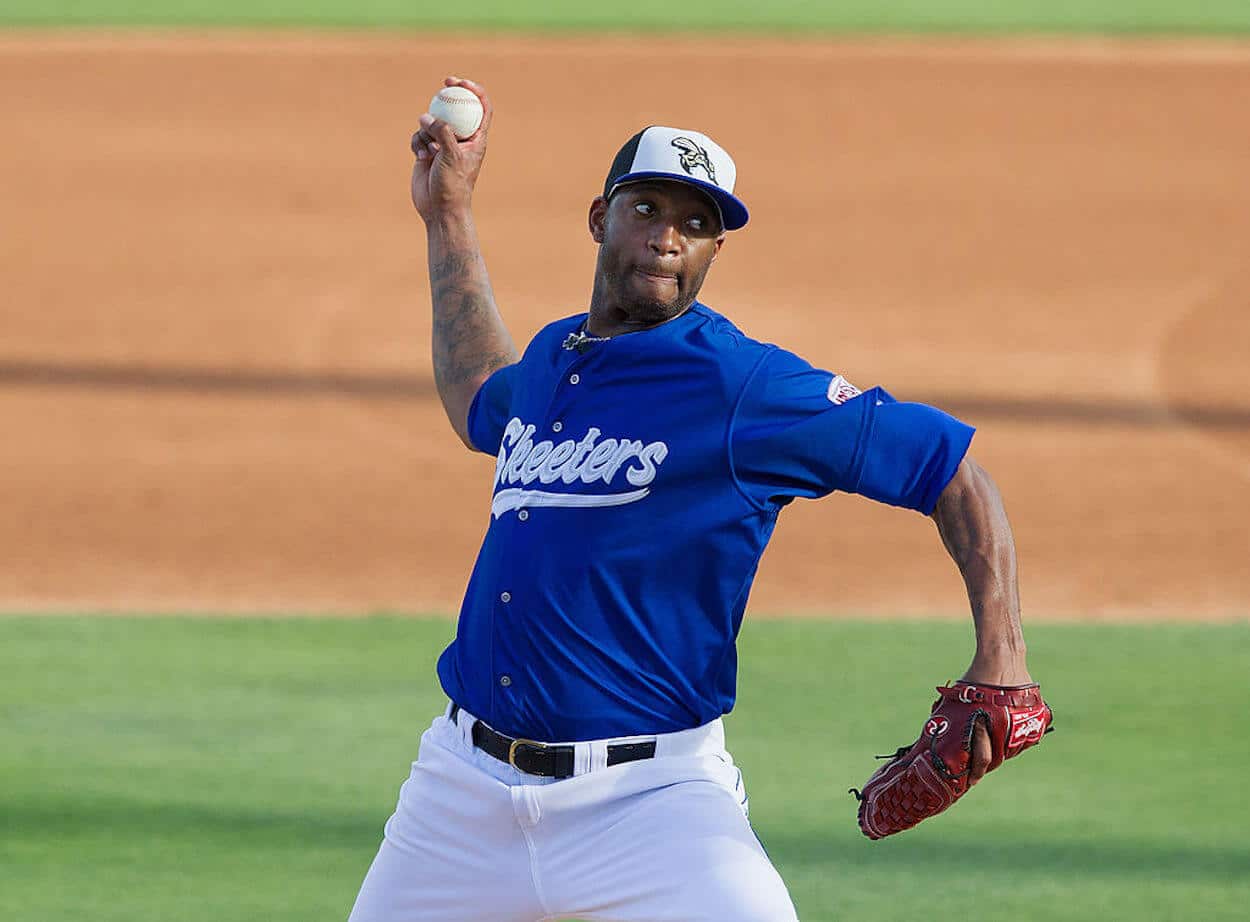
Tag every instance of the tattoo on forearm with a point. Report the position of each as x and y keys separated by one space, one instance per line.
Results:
x=469 y=337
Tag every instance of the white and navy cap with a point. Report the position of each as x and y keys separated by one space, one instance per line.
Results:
x=683 y=156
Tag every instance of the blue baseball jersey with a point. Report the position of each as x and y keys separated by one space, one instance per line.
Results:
x=637 y=482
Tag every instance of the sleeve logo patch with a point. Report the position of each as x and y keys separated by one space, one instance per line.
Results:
x=841 y=390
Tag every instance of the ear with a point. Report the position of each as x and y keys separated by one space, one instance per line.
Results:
x=720 y=242
x=597 y=220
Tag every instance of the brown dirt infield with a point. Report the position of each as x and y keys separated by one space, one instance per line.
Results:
x=214 y=373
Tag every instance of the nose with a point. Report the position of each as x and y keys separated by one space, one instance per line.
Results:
x=665 y=239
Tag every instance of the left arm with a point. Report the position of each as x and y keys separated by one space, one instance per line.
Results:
x=791 y=438
x=973 y=524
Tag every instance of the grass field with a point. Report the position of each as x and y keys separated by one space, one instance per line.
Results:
x=197 y=769
x=210 y=769
x=1130 y=16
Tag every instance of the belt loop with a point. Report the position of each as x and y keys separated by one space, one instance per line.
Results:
x=598 y=755
x=582 y=758
x=463 y=728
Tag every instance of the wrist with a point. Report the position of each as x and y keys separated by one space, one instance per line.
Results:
x=998 y=670
x=450 y=218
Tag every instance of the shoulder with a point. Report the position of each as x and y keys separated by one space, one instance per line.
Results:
x=757 y=357
x=718 y=334
x=719 y=327
x=729 y=336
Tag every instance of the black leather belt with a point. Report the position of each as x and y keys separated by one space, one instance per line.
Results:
x=543 y=759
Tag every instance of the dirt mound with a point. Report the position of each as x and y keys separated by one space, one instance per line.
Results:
x=215 y=369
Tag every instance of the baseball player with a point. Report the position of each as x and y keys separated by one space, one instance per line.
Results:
x=644 y=449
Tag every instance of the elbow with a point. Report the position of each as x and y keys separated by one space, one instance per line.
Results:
x=456 y=403
x=970 y=515
x=971 y=485
x=460 y=425
x=458 y=417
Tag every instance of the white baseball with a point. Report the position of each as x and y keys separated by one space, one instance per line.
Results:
x=458 y=107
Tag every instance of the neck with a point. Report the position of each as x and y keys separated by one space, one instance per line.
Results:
x=608 y=318
x=613 y=323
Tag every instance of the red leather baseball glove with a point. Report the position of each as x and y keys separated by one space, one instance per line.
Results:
x=925 y=778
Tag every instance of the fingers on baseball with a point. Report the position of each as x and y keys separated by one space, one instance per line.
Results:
x=425 y=143
x=423 y=148
x=443 y=136
x=982 y=753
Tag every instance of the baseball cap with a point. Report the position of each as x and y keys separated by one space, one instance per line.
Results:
x=676 y=154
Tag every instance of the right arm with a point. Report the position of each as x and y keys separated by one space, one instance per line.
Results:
x=469 y=337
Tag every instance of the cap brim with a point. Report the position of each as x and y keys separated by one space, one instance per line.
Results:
x=733 y=213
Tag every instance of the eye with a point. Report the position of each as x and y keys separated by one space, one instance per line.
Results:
x=646 y=209
x=697 y=223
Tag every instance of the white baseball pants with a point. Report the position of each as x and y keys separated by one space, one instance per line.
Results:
x=664 y=839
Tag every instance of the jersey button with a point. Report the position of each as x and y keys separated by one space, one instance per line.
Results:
x=557 y=426
x=505 y=596
x=574 y=378
x=523 y=515
x=505 y=680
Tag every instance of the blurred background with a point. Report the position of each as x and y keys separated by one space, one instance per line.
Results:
x=216 y=345
x=215 y=376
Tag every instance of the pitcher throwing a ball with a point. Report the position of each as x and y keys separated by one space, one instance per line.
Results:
x=644 y=450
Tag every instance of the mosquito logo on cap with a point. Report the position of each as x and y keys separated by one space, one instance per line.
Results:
x=692 y=155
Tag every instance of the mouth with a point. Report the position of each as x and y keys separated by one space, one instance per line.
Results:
x=656 y=276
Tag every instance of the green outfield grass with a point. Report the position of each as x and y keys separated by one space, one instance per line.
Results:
x=209 y=769
x=646 y=15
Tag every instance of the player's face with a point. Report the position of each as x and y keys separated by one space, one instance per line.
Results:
x=658 y=240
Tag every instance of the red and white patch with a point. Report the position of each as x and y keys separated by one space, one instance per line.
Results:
x=936 y=726
x=1027 y=727
x=841 y=390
